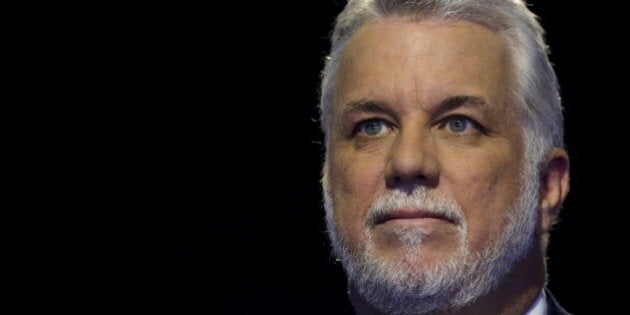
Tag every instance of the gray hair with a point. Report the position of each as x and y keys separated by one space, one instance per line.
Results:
x=535 y=89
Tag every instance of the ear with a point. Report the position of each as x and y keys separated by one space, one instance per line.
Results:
x=554 y=187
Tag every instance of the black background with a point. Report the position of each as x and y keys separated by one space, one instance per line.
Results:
x=250 y=234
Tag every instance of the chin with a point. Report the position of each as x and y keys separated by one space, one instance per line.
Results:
x=417 y=244
x=417 y=257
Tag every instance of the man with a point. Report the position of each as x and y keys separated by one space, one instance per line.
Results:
x=445 y=168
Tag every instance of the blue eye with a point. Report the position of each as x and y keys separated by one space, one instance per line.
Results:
x=372 y=127
x=459 y=124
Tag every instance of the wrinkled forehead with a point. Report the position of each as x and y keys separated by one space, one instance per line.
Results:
x=423 y=62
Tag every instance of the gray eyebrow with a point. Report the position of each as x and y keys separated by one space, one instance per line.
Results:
x=367 y=106
x=446 y=105
x=456 y=101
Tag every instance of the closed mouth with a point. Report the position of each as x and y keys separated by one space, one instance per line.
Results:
x=411 y=215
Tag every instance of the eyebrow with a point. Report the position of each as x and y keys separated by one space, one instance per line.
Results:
x=367 y=106
x=457 y=101
x=446 y=105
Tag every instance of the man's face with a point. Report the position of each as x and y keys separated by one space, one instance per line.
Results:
x=424 y=105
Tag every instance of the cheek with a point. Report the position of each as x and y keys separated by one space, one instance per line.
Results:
x=487 y=189
x=354 y=184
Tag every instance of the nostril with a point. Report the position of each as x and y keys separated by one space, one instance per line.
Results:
x=421 y=177
x=417 y=178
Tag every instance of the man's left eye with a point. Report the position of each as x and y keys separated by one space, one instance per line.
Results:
x=459 y=124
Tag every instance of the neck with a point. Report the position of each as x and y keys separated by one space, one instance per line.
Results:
x=513 y=296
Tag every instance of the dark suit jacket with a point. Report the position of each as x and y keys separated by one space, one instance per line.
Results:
x=553 y=307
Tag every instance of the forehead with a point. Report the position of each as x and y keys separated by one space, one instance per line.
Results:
x=402 y=31
x=423 y=61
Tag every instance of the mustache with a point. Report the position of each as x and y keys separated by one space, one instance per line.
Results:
x=383 y=208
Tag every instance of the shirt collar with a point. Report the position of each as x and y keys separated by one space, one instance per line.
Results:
x=540 y=306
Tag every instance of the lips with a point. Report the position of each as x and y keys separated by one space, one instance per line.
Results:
x=411 y=215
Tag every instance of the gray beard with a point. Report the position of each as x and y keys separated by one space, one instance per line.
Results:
x=402 y=286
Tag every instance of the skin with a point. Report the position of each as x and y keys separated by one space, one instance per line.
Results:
x=409 y=69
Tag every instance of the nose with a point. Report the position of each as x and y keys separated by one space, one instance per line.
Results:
x=412 y=162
